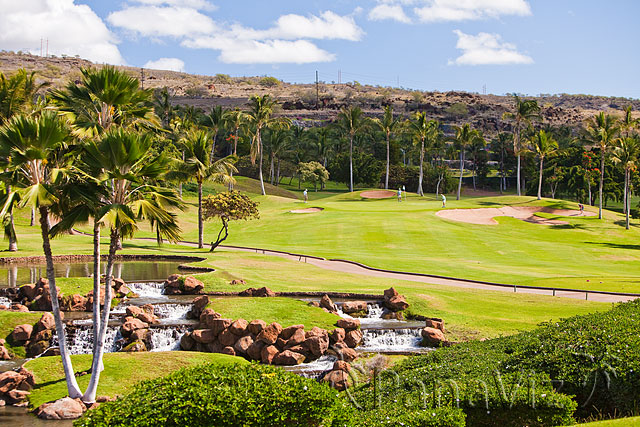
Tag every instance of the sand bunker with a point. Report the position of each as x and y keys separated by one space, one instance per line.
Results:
x=307 y=210
x=377 y=194
x=484 y=216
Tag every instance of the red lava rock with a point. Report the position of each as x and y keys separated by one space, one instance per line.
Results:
x=337 y=379
x=264 y=292
x=239 y=327
x=255 y=350
x=289 y=331
x=242 y=345
x=203 y=335
x=22 y=332
x=228 y=350
x=350 y=307
x=341 y=365
x=47 y=321
x=268 y=353
x=337 y=335
x=353 y=338
x=218 y=325
x=325 y=302
x=227 y=338
x=270 y=333
x=297 y=338
x=344 y=353
x=18 y=307
x=187 y=342
x=131 y=325
x=148 y=318
x=432 y=337
x=28 y=291
x=317 y=345
x=288 y=358
x=436 y=324
x=134 y=311
x=192 y=285
x=348 y=324
x=62 y=409
x=256 y=326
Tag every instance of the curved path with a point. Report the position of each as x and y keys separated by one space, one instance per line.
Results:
x=345 y=266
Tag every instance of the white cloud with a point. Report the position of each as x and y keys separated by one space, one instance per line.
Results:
x=171 y=64
x=72 y=29
x=234 y=51
x=393 y=12
x=487 y=49
x=463 y=10
x=195 y=4
x=162 y=21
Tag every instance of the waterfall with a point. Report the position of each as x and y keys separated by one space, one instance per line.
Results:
x=171 y=311
x=167 y=339
x=390 y=340
x=147 y=289
x=313 y=369
x=80 y=339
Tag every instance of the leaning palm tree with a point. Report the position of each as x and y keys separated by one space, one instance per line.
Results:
x=31 y=146
x=199 y=165
x=122 y=161
x=544 y=146
x=259 y=118
x=601 y=130
x=214 y=121
x=525 y=110
x=627 y=153
x=422 y=130
x=352 y=122
x=464 y=137
x=388 y=124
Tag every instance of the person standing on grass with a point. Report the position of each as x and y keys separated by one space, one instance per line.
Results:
x=304 y=193
x=444 y=201
x=581 y=207
x=399 y=194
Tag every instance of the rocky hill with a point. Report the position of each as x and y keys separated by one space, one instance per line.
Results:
x=310 y=104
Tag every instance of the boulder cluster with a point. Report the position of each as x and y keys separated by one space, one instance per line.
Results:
x=36 y=339
x=183 y=285
x=15 y=387
x=433 y=334
x=135 y=328
x=36 y=297
x=269 y=343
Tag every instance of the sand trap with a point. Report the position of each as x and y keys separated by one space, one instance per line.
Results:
x=484 y=216
x=377 y=194
x=307 y=210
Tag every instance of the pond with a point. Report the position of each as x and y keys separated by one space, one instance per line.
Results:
x=19 y=274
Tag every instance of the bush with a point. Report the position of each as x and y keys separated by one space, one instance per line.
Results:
x=234 y=395
x=269 y=82
x=366 y=169
x=400 y=175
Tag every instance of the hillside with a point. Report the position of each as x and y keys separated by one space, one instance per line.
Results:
x=299 y=100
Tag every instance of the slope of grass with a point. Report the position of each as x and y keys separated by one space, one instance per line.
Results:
x=620 y=422
x=8 y=321
x=121 y=371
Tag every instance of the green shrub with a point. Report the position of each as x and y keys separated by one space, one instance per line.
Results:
x=270 y=81
x=234 y=395
x=433 y=417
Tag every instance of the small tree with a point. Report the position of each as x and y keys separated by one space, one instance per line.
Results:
x=228 y=206
x=314 y=172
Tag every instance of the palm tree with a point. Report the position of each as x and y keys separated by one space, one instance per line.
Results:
x=601 y=130
x=234 y=121
x=277 y=143
x=500 y=145
x=31 y=145
x=422 y=130
x=214 y=121
x=464 y=137
x=477 y=145
x=259 y=118
x=352 y=122
x=162 y=106
x=626 y=152
x=199 y=165
x=121 y=160
x=524 y=112
x=544 y=145
x=387 y=124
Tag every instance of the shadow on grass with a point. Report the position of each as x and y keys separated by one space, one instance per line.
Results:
x=623 y=222
x=614 y=245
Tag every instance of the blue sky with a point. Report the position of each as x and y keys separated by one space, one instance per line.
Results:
x=532 y=47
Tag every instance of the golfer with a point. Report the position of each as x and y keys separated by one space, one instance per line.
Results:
x=304 y=193
x=444 y=200
x=581 y=206
x=399 y=194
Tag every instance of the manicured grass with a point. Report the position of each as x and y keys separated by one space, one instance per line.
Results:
x=8 y=321
x=620 y=422
x=285 y=311
x=121 y=371
x=75 y=285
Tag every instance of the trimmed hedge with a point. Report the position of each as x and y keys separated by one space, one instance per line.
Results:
x=234 y=395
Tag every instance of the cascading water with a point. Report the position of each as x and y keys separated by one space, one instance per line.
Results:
x=80 y=339
x=171 y=311
x=313 y=369
x=147 y=289
x=391 y=340
x=167 y=338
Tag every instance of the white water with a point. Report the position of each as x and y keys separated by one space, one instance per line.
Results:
x=171 y=311
x=313 y=369
x=167 y=339
x=80 y=341
x=147 y=289
x=390 y=340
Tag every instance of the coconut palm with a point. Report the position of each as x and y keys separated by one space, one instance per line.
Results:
x=601 y=130
x=199 y=165
x=525 y=110
x=627 y=152
x=162 y=106
x=214 y=121
x=421 y=130
x=351 y=121
x=30 y=146
x=544 y=146
x=234 y=121
x=388 y=124
x=464 y=137
x=477 y=146
x=121 y=161
x=259 y=118
x=322 y=143
x=277 y=142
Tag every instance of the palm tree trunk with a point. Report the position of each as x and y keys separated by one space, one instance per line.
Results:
x=624 y=198
x=461 y=173
x=72 y=384
x=589 y=186
x=200 y=222
x=351 y=163
x=540 y=179
x=474 y=173
x=264 y=193
x=278 y=178
x=33 y=217
x=96 y=285
x=627 y=195
x=420 y=192
x=272 y=169
x=213 y=146
x=518 y=175
x=501 y=181
x=601 y=183
x=386 y=178
x=90 y=393
x=13 y=243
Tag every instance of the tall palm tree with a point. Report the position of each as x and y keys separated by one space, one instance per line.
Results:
x=199 y=165
x=464 y=137
x=259 y=118
x=601 y=130
x=627 y=152
x=162 y=106
x=122 y=162
x=422 y=130
x=544 y=146
x=351 y=121
x=477 y=146
x=525 y=110
x=388 y=124
x=234 y=121
x=215 y=121
x=277 y=144
x=31 y=146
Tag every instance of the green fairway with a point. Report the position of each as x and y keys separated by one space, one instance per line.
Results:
x=121 y=371
x=620 y=422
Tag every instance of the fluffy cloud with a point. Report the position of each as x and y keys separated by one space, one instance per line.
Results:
x=171 y=64
x=196 y=4
x=72 y=29
x=393 y=12
x=487 y=49
x=162 y=21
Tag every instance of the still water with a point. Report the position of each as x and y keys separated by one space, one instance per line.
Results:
x=17 y=275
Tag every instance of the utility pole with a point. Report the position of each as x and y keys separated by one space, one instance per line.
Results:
x=142 y=77
x=317 y=92
x=41 y=47
x=47 y=48
x=339 y=76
